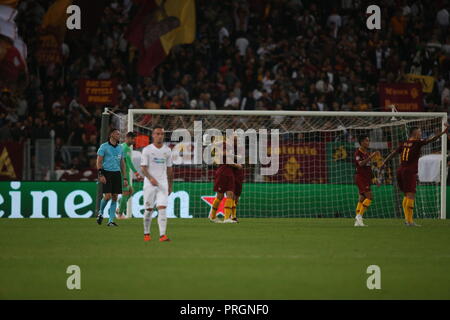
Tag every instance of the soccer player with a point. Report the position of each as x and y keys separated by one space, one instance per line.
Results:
x=224 y=184
x=110 y=163
x=156 y=164
x=127 y=191
x=239 y=176
x=363 y=177
x=407 y=172
x=238 y=181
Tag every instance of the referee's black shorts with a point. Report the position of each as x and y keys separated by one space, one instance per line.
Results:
x=113 y=182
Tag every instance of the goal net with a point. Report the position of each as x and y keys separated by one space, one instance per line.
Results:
x=314 y=152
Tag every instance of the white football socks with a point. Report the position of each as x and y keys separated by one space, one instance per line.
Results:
x=147 y=220
x=162 y=221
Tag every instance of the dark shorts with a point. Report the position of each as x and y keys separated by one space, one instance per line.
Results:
x=407 y=180
x=363 y=183
x=113 y=182
x=224 y=179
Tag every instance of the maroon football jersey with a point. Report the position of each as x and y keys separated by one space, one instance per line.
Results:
x=410 y=153
x=363 y=171
x=223 y=154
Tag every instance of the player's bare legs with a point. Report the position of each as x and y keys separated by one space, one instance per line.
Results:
x=215 y=205
x=364 y=202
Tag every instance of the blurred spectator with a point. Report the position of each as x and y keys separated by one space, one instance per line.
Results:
x=249 y=55
x=232 y=102
x=443 y=18
x=5 y=131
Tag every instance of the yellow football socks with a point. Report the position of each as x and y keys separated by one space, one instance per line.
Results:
x=233 y=210
x=215 y=206
x=359 y=207
x=365 y=205
x=228 y=208
x=404 y=205
x=409 y=213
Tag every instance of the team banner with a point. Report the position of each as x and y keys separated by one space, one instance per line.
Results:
x=405 y=96
x=302 y=162
x=11 y=161
x=427 y=82
x=98 y=92
x=51 y=33
x=156 y=27
x=341 y=168
x=49 y=50
x=194 y=200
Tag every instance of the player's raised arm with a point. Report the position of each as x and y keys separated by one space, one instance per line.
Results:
x=438 y=135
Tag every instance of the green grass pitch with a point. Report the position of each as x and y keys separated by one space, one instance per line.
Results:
x=255 y=259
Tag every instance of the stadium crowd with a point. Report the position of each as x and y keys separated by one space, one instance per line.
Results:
x=248 y=54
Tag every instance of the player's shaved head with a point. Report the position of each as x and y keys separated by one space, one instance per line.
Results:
x=415 y=132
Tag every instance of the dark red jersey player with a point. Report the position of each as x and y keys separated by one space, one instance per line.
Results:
x=410 y=152
x=226 y=181
x=363 y=177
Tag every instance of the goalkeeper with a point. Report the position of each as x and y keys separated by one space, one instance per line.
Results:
x=127 y=191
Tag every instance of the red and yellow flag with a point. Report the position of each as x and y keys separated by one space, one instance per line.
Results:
x=9 y=3
x=52 y=32
x=159 y=26
x=13 y=51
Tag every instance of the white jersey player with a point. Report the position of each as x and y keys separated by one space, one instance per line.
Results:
x=156 y=164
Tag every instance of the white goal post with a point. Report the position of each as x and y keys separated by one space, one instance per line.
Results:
x=314 y=121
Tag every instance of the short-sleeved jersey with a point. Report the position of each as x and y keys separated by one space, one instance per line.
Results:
x=157 y=160
x=112 y=155
x=363 y=171
x=221 y=157
x=410 y=153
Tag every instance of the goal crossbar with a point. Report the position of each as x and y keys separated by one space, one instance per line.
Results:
x=288 y=113
x=442 y=115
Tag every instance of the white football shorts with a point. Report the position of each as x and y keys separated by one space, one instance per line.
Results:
x=155 y=196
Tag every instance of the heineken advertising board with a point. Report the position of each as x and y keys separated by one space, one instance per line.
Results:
x=193 y=199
